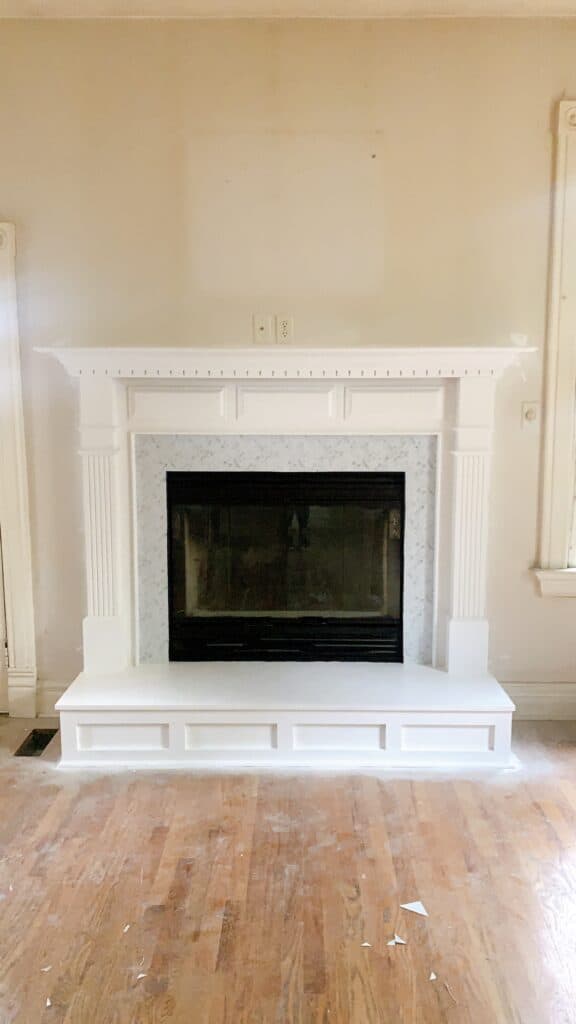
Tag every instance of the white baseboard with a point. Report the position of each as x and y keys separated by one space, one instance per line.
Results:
x=543 y=701
x=47 y=694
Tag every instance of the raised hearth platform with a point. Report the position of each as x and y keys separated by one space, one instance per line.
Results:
x=280 y=714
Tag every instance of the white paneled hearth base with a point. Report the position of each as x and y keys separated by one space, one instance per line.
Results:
x=284 y=713
x=120 y=712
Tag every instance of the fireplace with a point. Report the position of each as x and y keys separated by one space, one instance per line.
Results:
x=150 y=693
x=299 y=566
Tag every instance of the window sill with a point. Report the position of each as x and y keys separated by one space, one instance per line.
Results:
x=557 y=582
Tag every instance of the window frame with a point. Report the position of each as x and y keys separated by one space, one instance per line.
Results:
x=556 y=576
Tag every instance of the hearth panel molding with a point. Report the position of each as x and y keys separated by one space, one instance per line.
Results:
x=284 y=737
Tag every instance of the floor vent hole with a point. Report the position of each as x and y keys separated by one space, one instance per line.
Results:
x=35 y=742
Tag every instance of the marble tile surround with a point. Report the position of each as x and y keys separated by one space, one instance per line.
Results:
x=156 y=454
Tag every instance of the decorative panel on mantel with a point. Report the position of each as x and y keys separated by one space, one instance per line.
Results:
x=156 y=454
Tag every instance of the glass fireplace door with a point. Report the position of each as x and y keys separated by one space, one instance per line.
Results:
x=304 y=565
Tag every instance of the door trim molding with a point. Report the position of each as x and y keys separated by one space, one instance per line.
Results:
x=14 y=501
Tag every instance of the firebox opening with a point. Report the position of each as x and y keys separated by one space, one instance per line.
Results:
x=285 y=566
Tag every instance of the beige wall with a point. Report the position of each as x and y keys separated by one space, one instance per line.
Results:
x=382 y=182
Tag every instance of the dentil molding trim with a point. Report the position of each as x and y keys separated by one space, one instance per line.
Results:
x=291 y=363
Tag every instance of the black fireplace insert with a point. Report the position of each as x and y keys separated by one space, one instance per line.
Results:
x=285 y=566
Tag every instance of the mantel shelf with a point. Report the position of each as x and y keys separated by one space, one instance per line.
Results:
x=287 y=363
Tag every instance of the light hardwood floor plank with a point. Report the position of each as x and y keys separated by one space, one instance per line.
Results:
x=245 y=898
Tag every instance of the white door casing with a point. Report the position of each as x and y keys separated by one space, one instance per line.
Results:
x=3 y=643
x=556 y=577
x=14 y=504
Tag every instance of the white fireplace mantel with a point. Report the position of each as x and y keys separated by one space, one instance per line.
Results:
x=447 y=392
x=280 y=362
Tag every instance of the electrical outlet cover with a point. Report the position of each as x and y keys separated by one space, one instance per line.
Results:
x=284 y=329
x=262 y=329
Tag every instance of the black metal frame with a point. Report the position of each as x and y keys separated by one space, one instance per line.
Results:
x=275 y=638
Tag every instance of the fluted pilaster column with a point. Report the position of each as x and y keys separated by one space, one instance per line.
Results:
x=106 y=628
x=471 y=454
x=98 y=470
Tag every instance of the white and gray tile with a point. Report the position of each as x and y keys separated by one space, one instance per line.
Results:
x=157 y=454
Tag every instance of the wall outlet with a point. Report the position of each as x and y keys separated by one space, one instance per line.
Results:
x=262 y=329
x=284 y=329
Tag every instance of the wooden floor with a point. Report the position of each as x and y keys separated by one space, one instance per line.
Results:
x=140 y=898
